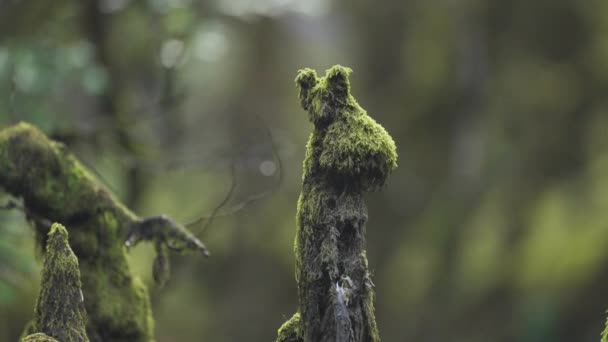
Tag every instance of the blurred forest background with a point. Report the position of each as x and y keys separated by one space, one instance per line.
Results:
x=491 y=229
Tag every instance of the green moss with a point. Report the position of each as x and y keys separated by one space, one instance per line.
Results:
x=291 y=331
x=60 y=308
x=347 y=154
x=39 y=337
x=358 y=148
x=353 y=146
x=122 y=305
x=55 y=187
x=35 y=167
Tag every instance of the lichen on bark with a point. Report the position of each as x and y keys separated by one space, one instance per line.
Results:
x=347 y=154
x=60 y=311
x=55 y=187
x=38 y=337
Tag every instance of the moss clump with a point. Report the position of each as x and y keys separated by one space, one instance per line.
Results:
x=347 y=154
x=291 y=331
x=347 y=144
x=34 y=167
x=60 y=311
x=39 y=337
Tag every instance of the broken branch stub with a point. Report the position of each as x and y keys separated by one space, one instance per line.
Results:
x=60 y=311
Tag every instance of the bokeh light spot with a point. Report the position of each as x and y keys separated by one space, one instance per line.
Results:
x=268 y=168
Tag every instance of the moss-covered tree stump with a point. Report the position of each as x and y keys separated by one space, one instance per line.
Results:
x=60 y=312
x=55 y=187
x=347 y=154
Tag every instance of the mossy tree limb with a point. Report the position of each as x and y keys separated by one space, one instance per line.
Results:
x=55 y=187
x=347 y=154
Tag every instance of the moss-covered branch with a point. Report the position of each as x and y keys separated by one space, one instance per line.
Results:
x=347 y=154
x=55 y=187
